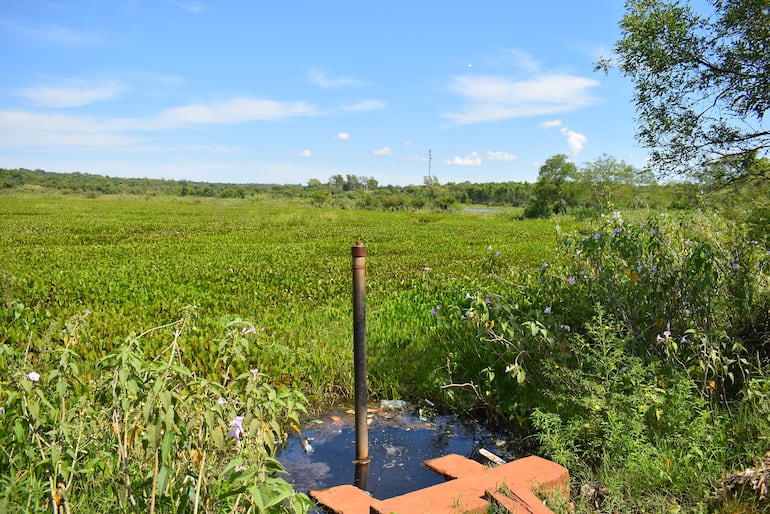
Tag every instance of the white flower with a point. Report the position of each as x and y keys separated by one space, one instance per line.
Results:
x=33 y=376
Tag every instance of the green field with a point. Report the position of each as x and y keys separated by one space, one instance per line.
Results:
x=134 y=263
x=157 y=349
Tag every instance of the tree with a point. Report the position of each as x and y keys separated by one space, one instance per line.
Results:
x=551 y=195
x=701 y=82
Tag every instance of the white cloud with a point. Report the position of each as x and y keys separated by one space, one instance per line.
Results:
x=342 y=136
x=192 y=6
x=319 y=77
x=575 y=141
x=235 y=110
x=76 y=95
x=550 y=124
x=21 y=128
x=25 y=129
x=474 y=159
x=490 y=98
x=500 y=156
x=55 y=34
x=365 y=105
x=407 y=144
x=305 y=153
x=385 y=150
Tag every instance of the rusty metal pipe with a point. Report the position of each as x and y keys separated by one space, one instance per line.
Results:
x=359 y=351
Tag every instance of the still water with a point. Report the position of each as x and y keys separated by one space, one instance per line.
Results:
x=399 y=443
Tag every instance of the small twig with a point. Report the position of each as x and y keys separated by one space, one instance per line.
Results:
x=467 y=384
x=198 y=485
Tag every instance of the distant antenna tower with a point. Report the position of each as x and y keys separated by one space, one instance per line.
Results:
x=430 y=158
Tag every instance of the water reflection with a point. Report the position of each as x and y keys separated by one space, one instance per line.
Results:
x=399 y=443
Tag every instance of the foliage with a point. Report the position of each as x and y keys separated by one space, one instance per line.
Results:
x=700 y=81
x=138 y=433
x=626 y=355
x=552 y=193
x=131 y=261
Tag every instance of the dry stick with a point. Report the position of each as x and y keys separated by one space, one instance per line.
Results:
x=154 y=481
x=198 y=485
x=123 y=454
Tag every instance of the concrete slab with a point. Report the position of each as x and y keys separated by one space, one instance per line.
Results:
x=470 y=490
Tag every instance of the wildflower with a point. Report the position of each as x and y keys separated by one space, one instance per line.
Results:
x=489 y=248
x=510 y=367
x=572 y=280
x=543 y=266
x=2 y=411
x=239 y=468
x=616 y=215
x=33 y=376
x=653 y=232
x=654 y=269
x=734 y=265
x=597 y=236
x=236 y=430
x=87 y=312
x=619 y=230
x=248 y=330
x=497 y=253
x=426 y=268
x=547 y=310
x=566 y=327
x=434 y=310
x=467 y=314
x=468 y=296
x=665 y=337
x=222 y=401
x=254 y=372
x=683 y=340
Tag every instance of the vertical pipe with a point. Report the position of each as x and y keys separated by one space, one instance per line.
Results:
x=359 y=351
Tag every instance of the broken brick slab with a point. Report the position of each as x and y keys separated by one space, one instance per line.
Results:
x=471 y=488
x=345 y=499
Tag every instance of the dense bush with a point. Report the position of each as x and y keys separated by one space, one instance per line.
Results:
x=139 y=433
x=627 y=356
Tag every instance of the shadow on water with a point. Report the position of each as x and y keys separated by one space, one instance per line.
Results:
x=399 y=442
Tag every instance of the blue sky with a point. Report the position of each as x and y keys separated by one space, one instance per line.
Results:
x=282 y=92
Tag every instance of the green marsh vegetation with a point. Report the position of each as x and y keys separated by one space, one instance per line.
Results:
x=156 y=348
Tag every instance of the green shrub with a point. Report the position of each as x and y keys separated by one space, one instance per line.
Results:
x=626 y=355
x=139 y=433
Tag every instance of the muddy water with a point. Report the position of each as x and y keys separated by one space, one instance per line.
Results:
x=399 y=443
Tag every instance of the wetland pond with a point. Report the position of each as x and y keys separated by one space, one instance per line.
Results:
x=401 y=438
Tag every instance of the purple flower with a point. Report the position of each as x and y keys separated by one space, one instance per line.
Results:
x=543 y=266
x=254 y=372
x=547 y=310
x=497 y=253
x=248 y=330
x=619 y=230
x=734 y=265
x=434 y=310
x=236 y=430
x=597 y=236
x=222 y=401
x=572 y=280
x=87 y=312
x=33 y=376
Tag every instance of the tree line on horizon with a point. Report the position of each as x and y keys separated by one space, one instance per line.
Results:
x=562 y=187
